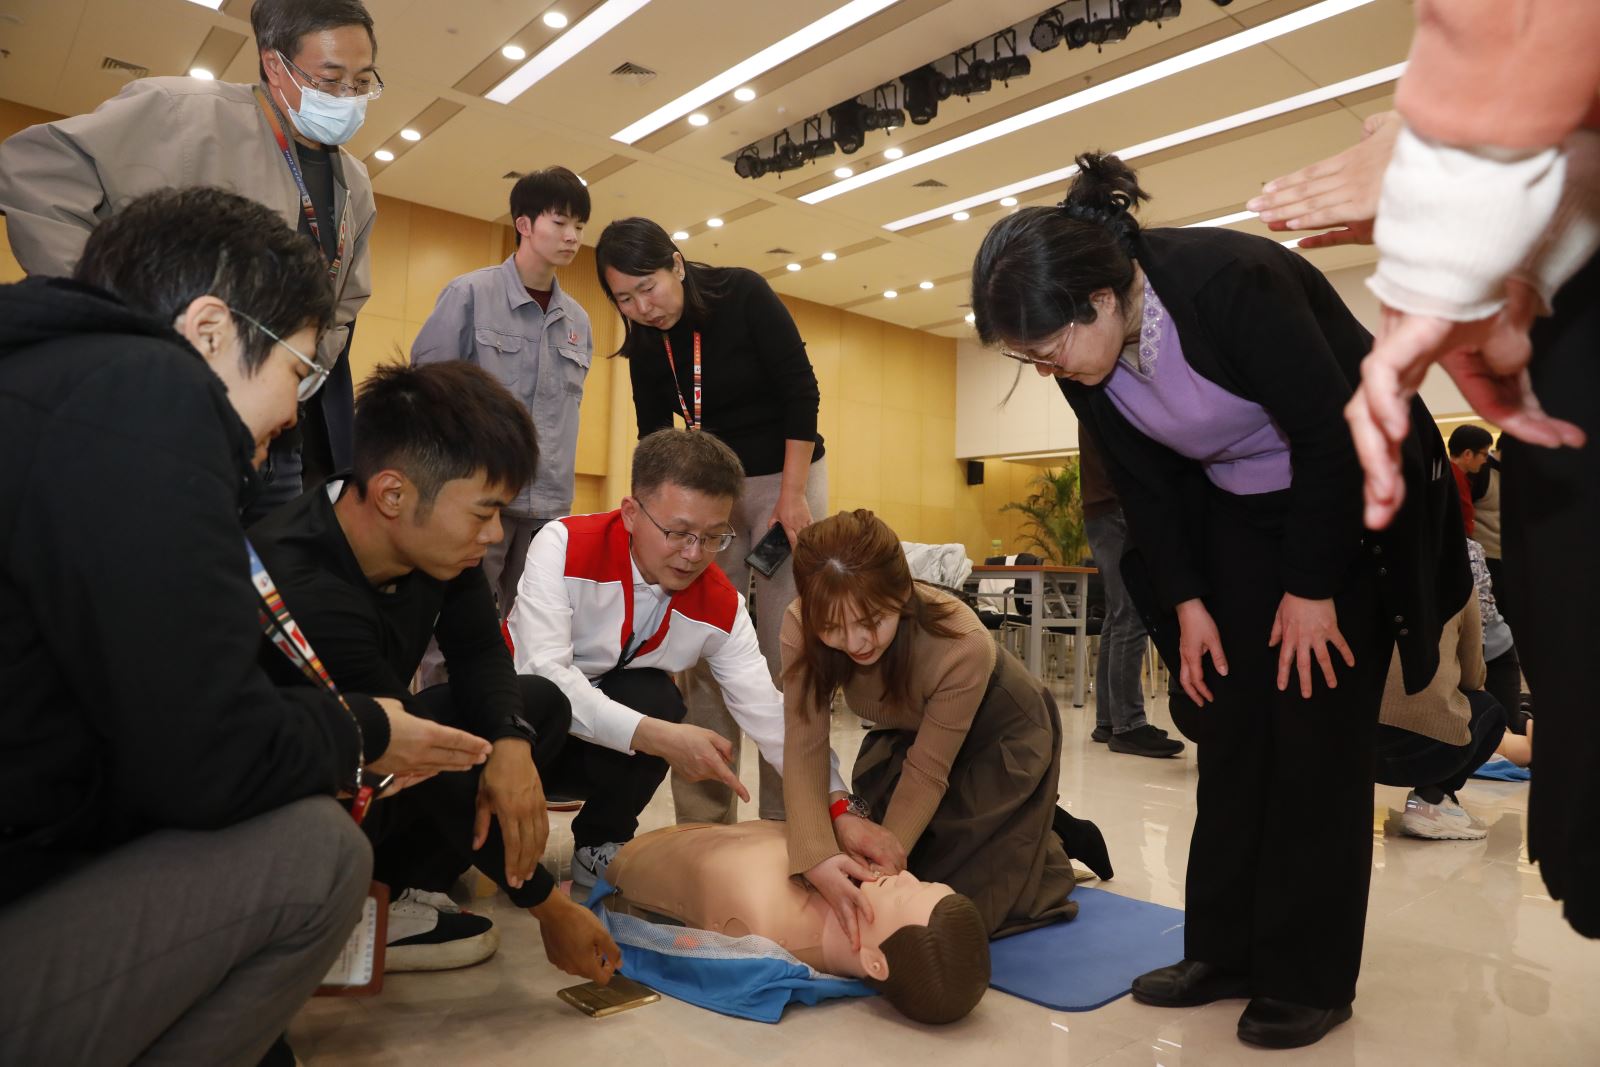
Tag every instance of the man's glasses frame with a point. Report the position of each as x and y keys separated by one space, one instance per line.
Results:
x=333 y=87
x=681 y=540
x=310 y=383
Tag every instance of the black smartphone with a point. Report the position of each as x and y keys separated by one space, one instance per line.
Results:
x=770 y=552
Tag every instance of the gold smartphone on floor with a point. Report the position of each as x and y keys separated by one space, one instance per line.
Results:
x=596 y=1000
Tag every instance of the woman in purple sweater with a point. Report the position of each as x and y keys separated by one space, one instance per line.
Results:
x=1213 y=368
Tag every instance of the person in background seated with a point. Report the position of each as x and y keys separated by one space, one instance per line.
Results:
x=610 y=606
x=924 y=947
x=377 y=564
x=175 y=876
x=957 y=784
x=1503 y=669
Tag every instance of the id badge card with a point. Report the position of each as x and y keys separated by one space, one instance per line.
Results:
x=358 y=972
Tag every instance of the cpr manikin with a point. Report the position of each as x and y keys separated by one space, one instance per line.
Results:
x=926 y=949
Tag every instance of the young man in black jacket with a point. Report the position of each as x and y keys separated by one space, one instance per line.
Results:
x=175 y=877
x=378 y=563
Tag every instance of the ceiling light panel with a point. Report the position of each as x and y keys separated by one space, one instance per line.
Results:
x=807 y=37
x=1094 y=94
x=599 y=22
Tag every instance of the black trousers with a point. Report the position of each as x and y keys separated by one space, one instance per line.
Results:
x=615 y=785
x=1415 y=761
x=1550 y=510
x=422 y=836
x=1281 y=856
x=1504 y=683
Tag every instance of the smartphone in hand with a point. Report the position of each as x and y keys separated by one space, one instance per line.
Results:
x=770 y=552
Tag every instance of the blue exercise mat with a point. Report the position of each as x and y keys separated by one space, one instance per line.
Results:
x=1092 y=960
x=1500 y=769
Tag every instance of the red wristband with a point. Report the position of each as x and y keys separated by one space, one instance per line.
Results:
x=838 y=808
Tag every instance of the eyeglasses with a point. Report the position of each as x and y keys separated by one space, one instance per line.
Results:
x=679 y=540
x=1043 y=361
x=311 y=382
x=370 y=88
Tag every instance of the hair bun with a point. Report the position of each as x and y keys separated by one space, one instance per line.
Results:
x=1105 y=192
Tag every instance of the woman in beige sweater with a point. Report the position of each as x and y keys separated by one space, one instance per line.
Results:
x=957 y=782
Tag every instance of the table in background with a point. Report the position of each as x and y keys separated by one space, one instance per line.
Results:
x=1066 y=586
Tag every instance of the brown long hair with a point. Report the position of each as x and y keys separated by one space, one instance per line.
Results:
x=853 y=559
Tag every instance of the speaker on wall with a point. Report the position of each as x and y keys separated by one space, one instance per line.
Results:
x=974 y=472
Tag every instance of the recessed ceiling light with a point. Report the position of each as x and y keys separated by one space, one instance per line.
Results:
x=893 y=153
x=961 y=216
x=803 y=39
x=744 y=94
x=1008 y=201
x=842 y=172
x=793 y=267
x=829 y=257
x=1161 y=144
x=383 y=155
x=202 y=73
x=514 y=52
x=410 y=135
x=971 y=318
x=697 y=119
x=889 y=294
x=713 y=223
x=680 y=235
x=924 y=285
x=1094 y=94
x=555 y=20
x=599 y=22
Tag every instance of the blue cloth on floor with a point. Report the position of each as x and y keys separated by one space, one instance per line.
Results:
x=746 y=977
x=1500 y=769
x=1092 y=960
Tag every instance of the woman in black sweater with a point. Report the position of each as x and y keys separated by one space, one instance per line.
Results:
x=1213 y=367
x=715 y=347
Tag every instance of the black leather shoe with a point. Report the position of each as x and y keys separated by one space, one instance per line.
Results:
x=1145 y=740
x=1274 y=1023
x=1100 y=734
x=1186 y=984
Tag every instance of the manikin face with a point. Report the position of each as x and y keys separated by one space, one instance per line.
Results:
x=861 y=633
x=452 y=535
x=343 y=53
x=668 y=509
x=265 y=400
x=553 y=237
x=1084 y=352
x=654 y=300
x=898 y=901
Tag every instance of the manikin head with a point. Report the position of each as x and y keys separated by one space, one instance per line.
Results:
x=439 y=451
x=1469 y=447
x=245 y=290
x=317 y=63
x=926 y=949
x=685 y=484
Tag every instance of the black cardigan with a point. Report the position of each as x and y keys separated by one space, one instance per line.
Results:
x=1264 y=324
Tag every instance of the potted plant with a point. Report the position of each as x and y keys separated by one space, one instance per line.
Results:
x=1053 y=514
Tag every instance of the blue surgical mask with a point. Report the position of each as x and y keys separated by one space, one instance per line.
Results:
x=325 y=118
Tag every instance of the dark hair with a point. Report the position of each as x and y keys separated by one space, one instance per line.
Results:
x=164 y=250
x=692 y=459
x=1038 y=267
x=439 y=422
x=278 y=25
x=551 y=189
x=1469 y=438
x=636 y=247
x=938 y=972
x=855 y=558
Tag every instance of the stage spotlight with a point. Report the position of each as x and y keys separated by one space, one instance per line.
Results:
x=1170 y=9
x=925 y=87
x=1076 y=33
x=849 y=127
x=1047 y=31
x=885 y=112
x=786 y=155
x=975 y=78
x=1007 y=64
x=1137 y=11
x=1107 y=31
x=749 y=164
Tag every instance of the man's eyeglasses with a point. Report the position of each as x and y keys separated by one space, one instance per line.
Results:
x=1037 y=360
x=310 y=383
x=679 y=540
x=369 y=87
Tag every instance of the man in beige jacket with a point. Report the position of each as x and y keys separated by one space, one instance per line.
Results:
x=58 y=179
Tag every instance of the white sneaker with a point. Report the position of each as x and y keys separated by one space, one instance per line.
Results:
x=1444 y=821
x=589 y=865
x=428 y=932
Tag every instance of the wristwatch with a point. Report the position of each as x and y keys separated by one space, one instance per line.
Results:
x=851 y=803
x=518 y=727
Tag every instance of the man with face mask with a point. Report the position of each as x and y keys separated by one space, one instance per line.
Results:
x=276 y=142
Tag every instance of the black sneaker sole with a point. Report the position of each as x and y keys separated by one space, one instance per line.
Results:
x=1141 y=750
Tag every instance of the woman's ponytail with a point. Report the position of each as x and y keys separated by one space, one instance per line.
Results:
x=1107 y=192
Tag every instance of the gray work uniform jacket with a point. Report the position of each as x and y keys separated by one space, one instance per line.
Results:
x=60 y=179
x=487 y=317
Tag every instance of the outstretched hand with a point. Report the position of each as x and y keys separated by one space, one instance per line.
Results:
x=1340 y=191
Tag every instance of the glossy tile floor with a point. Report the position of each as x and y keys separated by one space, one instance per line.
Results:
x=1467 y=962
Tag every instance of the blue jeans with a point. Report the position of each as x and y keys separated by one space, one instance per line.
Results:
x=1119 y=692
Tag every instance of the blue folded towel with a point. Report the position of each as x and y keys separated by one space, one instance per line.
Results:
x=1500 y=769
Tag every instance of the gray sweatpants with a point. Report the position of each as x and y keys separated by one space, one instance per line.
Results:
x=713 y=801
x=182 y=947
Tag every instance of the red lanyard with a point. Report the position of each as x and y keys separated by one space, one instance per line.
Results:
x=286 y=636
x=306 y=205
x=692 y=423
